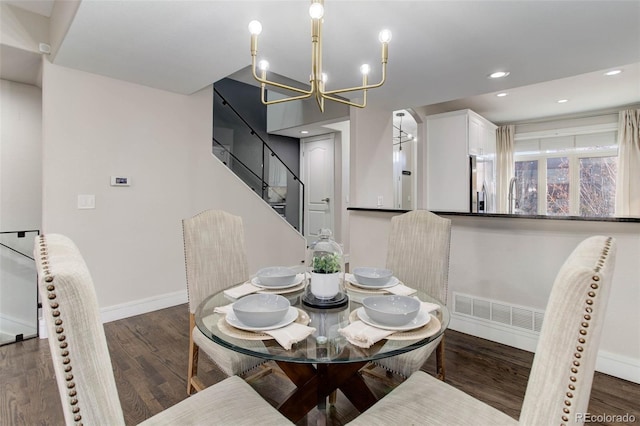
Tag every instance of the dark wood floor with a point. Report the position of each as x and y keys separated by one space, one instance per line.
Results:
x=149 y=353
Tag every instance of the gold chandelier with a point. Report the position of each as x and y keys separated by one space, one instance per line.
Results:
x=317 y=79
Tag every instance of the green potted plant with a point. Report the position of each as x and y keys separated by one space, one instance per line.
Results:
x=328 y=263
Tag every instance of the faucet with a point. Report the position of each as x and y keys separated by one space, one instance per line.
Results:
x=512 y=200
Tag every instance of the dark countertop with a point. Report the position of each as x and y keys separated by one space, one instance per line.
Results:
x=507 y=216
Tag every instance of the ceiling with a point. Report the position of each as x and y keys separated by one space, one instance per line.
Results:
x=439 y=58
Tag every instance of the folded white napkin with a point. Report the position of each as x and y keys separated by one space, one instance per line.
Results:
x=223 y=309
x=363 y=335
x=429 y=307
x=241 y=290
x=290 y=334
x=401 y=290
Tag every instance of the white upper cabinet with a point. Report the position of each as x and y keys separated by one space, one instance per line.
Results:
x=451 y=139
x=482 y=135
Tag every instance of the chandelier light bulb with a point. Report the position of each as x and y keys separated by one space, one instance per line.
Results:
x=365 y=69
x=384 y=36
x=324 y=77
x=255 y=27
x=316 y=10
x=263 y=65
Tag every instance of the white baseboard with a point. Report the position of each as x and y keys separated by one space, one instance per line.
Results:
x=136 y=307
x=620 y=366
x=623 y=367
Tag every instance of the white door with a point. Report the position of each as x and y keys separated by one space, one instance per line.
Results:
x=317 y=162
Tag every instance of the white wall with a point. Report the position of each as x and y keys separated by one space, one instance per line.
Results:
x=516 y=261
x=371 y=158
x=20 y=156
x=22 y=29
x=96 y=127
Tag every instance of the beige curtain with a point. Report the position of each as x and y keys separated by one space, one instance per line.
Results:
x=628 y=179
x=505 y=167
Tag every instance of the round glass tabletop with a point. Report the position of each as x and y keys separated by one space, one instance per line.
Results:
x=326 y=345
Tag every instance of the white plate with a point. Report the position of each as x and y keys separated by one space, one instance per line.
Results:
x=392 y=282
x=289 y=317
x=298 y=279
x=419 y=321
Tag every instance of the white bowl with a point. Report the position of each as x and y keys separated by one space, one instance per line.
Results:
x=372 y=276
x=391 y=310
x=276 y=276
x=261 y=310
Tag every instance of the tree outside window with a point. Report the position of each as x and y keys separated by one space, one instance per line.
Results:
x=558 y=186
x=598 y=186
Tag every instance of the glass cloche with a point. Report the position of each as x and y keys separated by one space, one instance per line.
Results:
x=325 y=265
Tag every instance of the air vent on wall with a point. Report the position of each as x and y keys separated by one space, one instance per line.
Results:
x=515 y=316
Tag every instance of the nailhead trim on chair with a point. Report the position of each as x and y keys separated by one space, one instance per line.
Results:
x=591 y=294
x=64 y=353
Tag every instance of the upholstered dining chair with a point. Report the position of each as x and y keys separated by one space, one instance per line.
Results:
x=82 y=363
x=215 y=258
x=563 y=366
x=418 y=255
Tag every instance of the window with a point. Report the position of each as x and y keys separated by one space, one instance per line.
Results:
x=569 y=175
x=598 y=186
x=527 y=187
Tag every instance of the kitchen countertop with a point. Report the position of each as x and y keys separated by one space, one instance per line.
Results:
x=507 y=216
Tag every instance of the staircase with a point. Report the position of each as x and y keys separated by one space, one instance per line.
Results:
x=256 y=157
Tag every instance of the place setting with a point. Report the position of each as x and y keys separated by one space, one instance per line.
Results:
x=375 y=281
x=391 y=317
x=264 y=316
x=270 y=280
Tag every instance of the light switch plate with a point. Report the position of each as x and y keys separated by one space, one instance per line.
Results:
x=86 y=201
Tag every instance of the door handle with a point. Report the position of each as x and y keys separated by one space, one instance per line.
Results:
x=326 y=200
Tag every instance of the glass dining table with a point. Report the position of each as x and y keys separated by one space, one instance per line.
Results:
x=325 y=360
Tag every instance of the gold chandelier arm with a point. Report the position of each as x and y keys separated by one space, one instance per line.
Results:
x=346 y=102
x=278 y=101
x=263 y=80
x=363 y=87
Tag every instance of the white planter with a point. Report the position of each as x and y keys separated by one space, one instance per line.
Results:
x=325 y=286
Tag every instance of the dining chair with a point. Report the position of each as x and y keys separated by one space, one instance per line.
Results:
x=82 y=363
x=418 y=255
x=563 y=366
x=215 y=259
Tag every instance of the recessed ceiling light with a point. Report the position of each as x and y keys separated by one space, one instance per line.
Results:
x=304 y=132
x=499 y=74
x=612 y=72
x=502 y=94
x=561 y=101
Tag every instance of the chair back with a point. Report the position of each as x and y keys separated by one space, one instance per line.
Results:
x=77 y=341
x=562 y=372
x=418 y=252
x=215 y=254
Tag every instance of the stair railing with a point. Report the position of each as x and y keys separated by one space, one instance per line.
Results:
x=241 y=148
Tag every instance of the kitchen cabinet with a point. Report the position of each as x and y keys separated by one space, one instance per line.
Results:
x=451 y=139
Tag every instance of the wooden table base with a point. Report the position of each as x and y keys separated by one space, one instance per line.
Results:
x=314 y=384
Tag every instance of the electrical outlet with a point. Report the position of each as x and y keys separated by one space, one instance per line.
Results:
x=380 y=201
